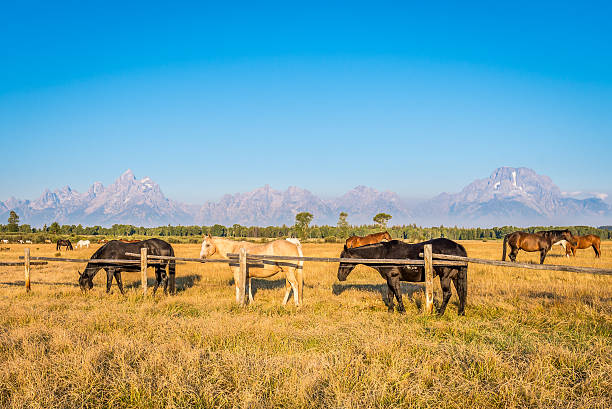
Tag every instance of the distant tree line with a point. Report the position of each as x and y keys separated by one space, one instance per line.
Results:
x=301 y=228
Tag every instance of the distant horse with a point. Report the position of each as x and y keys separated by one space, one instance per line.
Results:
x=47 y=241
x=63 y=243
x=584 y=242
x=83 y=243
x=116 y=250
x=393 y=274
x=294 y=271
x=356 y=241
x=541 y=241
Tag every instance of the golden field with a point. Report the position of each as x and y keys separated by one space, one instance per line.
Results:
x=529 y=339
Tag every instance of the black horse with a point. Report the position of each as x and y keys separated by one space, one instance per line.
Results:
x=63 y=243
x=116 y=249
x=393 y=274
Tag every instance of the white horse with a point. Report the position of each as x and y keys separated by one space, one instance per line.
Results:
x=83 y=243
x=5 y=241
x=28 y=241
x=294 y=271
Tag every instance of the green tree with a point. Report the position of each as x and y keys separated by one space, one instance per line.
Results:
x=381 y=220
x=54 y=228
x=218 y=230
x=13 y=221
x=302 y=220
x=343 y=225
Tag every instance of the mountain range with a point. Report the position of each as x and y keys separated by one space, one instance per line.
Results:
x=509 y=196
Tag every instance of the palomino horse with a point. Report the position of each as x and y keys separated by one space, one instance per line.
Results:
x=541 y=242
x=584 y=242
x=357 y=241
x=294 y=270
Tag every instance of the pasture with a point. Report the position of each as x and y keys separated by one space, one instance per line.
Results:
x=529 y=339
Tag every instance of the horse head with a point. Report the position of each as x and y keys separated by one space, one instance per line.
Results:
x=208 y=247
x=344 y=269
x=569 y=237
x=85 y=281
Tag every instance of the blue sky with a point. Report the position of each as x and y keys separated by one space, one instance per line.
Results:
x=207 y=99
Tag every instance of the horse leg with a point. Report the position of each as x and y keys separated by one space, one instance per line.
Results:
x=543 y=253
x=250 y=290
x=294 y=285
x=389 y=299
x=393 y=282
x=119 y=281
x=597 y=251
x=513 y=254
x=445 y=283
x=287 y=291
x=109 y=279
x=157 y=280
x=236 y=272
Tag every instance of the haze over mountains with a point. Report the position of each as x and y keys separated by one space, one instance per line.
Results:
x=509 y=196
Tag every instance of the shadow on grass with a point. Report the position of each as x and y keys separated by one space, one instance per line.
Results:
x=22 y=283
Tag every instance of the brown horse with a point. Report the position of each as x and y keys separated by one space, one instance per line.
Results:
x=358 y=241
x=584 y=242
x=520 y=240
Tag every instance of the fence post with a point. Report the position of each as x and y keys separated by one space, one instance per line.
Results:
x=242 y=277
x=427 y=251
x=143 y=270
x=26 y=263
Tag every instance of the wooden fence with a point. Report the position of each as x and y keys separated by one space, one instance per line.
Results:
x=243 y=261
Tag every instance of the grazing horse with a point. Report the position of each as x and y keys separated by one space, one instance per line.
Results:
x=356 y=241
x=83 y=243
x=584 y=242
x=393 y=274
x=541 y=241
x=116 y=250
x=63 y=243
x=560 y=237
x=294 y=271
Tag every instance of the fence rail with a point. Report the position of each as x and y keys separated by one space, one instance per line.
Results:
x=551 y=267
x=244 y=260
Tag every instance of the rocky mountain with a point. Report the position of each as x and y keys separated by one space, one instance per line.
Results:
x=512 y=196
x=516 y=196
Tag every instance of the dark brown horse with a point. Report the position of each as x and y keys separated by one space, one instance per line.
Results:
x=63 y=243
x=358 y=241
x=584 y=242
x=540 y=241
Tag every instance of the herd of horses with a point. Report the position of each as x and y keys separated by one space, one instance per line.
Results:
x=374 y=246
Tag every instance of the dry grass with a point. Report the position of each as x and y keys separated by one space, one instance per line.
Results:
x=530 y=339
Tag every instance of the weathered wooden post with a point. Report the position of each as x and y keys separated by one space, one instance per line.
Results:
x=427 y=251
x=242 y=277
x=26 y=263
x=143 y=270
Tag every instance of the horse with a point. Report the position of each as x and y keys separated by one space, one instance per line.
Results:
x=83 y=243
x=294 y=272
x=559 y=237
x=393 y=274
x=541 y=241
x=584 y=242
x=356 y=241
x=116 y=250
x=63 y=243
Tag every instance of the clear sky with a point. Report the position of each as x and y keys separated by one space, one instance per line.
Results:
x=207 y=99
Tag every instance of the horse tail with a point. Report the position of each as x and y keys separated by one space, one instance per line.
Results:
x=504 y=252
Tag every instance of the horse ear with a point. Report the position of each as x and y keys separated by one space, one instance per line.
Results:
x=80 y=274
x=345 y=248
x=209 y=236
